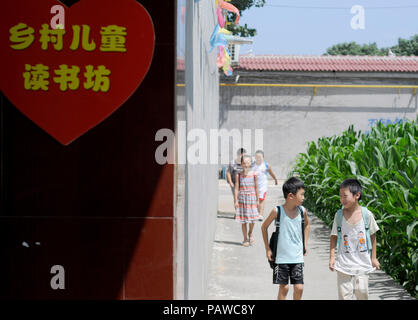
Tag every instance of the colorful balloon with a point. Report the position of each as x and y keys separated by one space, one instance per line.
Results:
x=220 y=37
x=224 y=31
x=220 y=60
x=221 y=20
x=229 y=7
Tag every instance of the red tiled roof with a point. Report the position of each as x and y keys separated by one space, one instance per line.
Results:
x=328 y=63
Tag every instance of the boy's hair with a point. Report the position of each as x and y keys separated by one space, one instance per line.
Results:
x=240 y=151
x=260 y=152
x=292 y=185
x=353 y=185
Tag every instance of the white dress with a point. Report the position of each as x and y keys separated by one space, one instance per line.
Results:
x=261 y=172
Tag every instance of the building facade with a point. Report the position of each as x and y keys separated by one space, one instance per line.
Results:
x=297 y=99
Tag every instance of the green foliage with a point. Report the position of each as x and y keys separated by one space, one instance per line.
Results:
x=242 y=31
x=406 y=47
x=355 y=49
x=403 y=48
x=242 y=5
x=385 y=161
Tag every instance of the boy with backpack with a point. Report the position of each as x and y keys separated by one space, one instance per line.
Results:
x=292 y=225
x=354 y=235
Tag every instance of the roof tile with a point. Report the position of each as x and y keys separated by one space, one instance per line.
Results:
x=328 y=63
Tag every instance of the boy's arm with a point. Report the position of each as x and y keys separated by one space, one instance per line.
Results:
x=375 y=262
x=307 y=229
x=272 y=174
x=272 y=216
x=333 y=245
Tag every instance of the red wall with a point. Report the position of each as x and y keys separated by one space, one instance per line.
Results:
x=100 y=207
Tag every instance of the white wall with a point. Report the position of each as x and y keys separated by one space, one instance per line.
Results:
x=291 y=117
x=200 y=180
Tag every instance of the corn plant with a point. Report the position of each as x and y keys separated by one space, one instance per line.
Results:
x=385 y=161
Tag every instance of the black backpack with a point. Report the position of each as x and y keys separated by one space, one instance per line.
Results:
x=275 y=236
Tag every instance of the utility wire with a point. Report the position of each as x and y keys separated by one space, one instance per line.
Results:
x=337 y=8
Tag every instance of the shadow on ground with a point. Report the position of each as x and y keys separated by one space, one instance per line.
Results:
x=385 y=288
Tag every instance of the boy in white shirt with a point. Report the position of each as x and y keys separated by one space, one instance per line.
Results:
x=356 y=256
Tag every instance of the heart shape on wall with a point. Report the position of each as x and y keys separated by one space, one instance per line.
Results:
x=69 y=80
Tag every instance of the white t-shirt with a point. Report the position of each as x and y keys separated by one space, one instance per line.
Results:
x=353 y=257
x=261 y=172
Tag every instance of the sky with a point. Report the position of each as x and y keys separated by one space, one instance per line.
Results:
x=309 y=27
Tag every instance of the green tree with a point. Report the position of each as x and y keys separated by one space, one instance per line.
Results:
x=404 y=47
x=355 y=49
x=242 y=5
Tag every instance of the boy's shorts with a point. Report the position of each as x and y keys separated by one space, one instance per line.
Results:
x=282 y=273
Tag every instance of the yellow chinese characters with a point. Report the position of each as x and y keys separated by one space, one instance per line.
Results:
x=36 y=77
x=113 y=38
x=67 y=77
x=88 y=46
x=101 y=81
x=22 y=36
x=55 y=36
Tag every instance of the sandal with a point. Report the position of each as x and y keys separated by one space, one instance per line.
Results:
x=252 y=240
x=246 y=243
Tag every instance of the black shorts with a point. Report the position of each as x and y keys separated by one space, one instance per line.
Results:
x=282 y=273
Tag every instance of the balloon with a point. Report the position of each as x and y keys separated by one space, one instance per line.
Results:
x=213 y=37
x=218 y=40
x=227 y=70
x=220 y=37
x=221 y=20
x=227 y=61
x=224 y=31
x=227 y=52
x=230 y=7
x=220 y=61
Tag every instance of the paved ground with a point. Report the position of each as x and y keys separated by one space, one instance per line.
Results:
x=239 y=272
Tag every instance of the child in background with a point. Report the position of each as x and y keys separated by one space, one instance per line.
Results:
x=246 y=200
x=261 y=169
x=234 y=168
x=354 y=260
